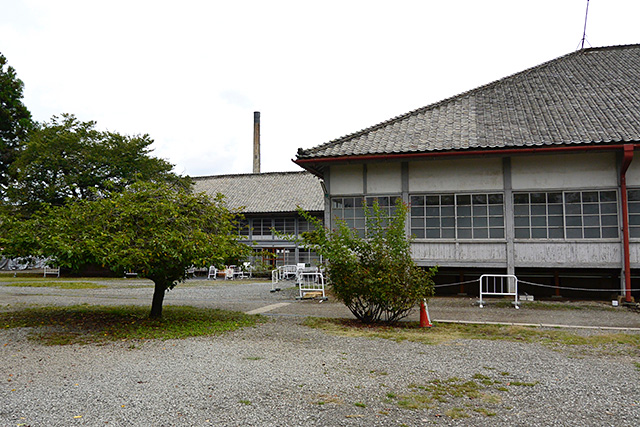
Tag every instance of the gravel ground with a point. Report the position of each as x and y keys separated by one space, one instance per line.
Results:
x=281 y=373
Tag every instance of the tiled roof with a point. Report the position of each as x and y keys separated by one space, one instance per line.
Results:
x=590 y=96
x=265 y=192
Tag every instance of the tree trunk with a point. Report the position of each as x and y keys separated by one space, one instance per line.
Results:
x=158 y=298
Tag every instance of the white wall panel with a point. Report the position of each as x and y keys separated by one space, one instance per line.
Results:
x=568 y=254
x=633 y=173
x=346 y=179
x=461 y=254
x=560 y=171
x=383 y=178
x=456 y=175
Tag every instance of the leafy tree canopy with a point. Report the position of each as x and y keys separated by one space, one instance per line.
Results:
x=150 y=228
x=67 y=159
x=15 y=119
x=373 y=275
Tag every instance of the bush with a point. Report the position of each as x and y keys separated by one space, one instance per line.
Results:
x=373 y=275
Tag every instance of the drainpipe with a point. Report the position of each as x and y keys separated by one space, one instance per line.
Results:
x=626 y=161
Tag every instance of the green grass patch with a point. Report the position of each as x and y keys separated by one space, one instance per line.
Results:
x=84 y=324
x=56 y=284
x=445 y=332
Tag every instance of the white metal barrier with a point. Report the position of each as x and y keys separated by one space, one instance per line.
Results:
x=499 y=285
x=311 y=281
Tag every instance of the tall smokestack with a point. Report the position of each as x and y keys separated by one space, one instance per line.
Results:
x=256 y=142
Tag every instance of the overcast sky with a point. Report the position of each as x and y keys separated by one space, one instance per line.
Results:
x=191 y=73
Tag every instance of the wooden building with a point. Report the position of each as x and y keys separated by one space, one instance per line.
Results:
x=532 y=175
x=269 y=202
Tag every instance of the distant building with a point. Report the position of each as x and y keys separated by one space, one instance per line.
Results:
x=269 y=201
x=532 y=174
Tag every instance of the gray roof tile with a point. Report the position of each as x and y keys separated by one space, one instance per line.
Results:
x=265 y=192
x=588 y=96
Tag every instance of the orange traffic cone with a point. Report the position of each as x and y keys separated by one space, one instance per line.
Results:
x=425 y=322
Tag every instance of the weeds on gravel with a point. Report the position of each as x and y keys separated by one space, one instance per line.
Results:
x=480 y=393
x=84 y=324
x=444 y=332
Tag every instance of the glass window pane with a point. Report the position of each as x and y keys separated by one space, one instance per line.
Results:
x=521 y=221
x=495 y=199
x=496 y=233
x=464 y=222
x=337 y=203
x=573 y=221
x=497 y=221
x=574 y=233
x=448 y=222
x=418 y=233
x=589 y=196
x=538 y=197
x=633 y=232
x=554 y=209
x=634 y=219
x=433 y=222
x=591 y=233
x=417 y=200
x=464 y=233
x=591 y=221
x=538 y=221
x=590 y=208
x=480 y=233
x=610 y=232
x=521 y=210
x=496 y=210
x=357 y=202
x=538 y=233
x=556 y=233
x=417 y=223
x=554 y=198
x=446 y=199
x=522 y=198
x=464 y=210
x=479 y=211
x=538 y=210
x=433 y=233
x=463 y=199
x=522 y=233
x=448 y=233
x=611 y=207
x=417 y=211
x=479 y=199
x=573 y=209
x=433 y=212
x=608 y=196
x=348 y=202
x=432 y=200
x=633 y=195
x=479 y=222
x=572 y=197
x=447 y=211
x=555 y=221
x=609 y=220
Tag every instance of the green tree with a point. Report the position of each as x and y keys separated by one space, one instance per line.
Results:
x=67 y=159
x=152 y=229
x=374 y=276
x=15 y=120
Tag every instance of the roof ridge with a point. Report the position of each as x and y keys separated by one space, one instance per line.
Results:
x=393 y=120
x=236 y=175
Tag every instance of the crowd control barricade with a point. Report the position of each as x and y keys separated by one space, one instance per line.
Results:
x=498 y=285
